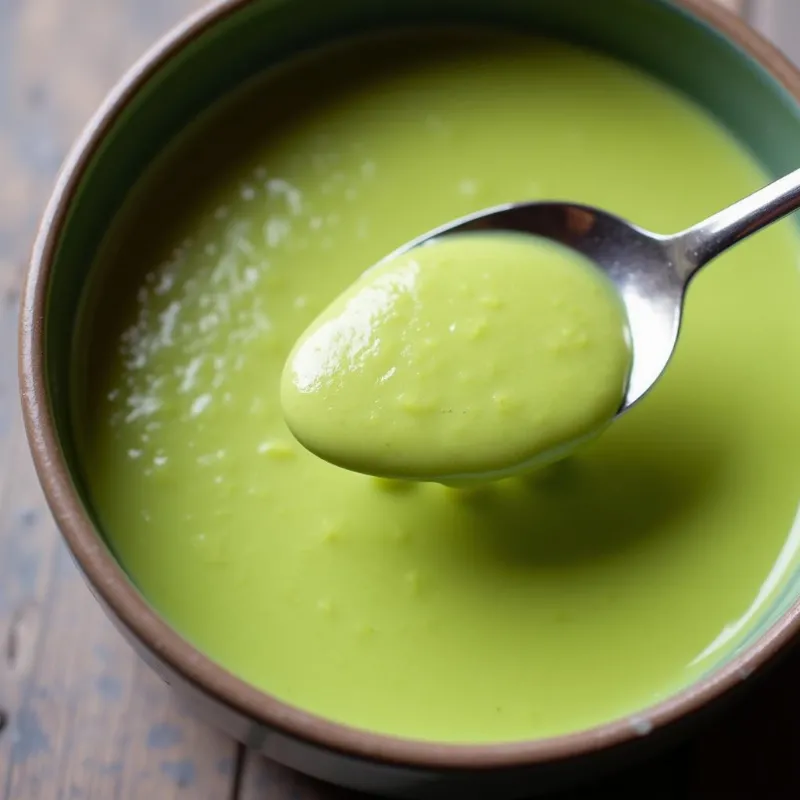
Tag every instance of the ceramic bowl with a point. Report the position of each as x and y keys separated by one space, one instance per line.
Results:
x=690 y=44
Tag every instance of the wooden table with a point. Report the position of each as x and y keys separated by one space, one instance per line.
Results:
x=80 y=717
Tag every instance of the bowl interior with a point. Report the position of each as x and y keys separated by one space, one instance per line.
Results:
x=251 y=36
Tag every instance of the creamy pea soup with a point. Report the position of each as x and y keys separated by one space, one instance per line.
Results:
x=520 y=609
x=471 y=357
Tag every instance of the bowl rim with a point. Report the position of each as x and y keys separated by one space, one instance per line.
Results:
x=118 y=593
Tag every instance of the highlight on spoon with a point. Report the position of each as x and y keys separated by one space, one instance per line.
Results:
x=470 y=356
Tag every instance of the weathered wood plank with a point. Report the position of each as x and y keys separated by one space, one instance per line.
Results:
x=27 y=552
x=96 y=723
x=83 y=717
x=779 y=21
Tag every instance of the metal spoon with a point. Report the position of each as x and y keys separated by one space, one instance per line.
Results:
x=651 y=271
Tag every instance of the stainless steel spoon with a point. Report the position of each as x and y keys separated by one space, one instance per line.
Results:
x=650 y=270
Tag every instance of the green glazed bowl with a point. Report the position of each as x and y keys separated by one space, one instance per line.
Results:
x=691 y=44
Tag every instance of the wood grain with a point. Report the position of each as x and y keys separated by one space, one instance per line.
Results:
x=99 y=724
x=80 y=717
x=83 y=717
x=779 y=20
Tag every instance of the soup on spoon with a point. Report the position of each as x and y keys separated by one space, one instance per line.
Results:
x=470 y=357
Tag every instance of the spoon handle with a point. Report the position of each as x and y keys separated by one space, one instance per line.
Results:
x=701 y=243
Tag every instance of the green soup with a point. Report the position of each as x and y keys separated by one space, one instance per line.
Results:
x=475 y=355
x=522 y=609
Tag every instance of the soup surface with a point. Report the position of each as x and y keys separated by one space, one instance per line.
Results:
x=472 y=355
x=520 y=609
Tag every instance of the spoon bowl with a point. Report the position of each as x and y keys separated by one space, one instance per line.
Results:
x=651 y=271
